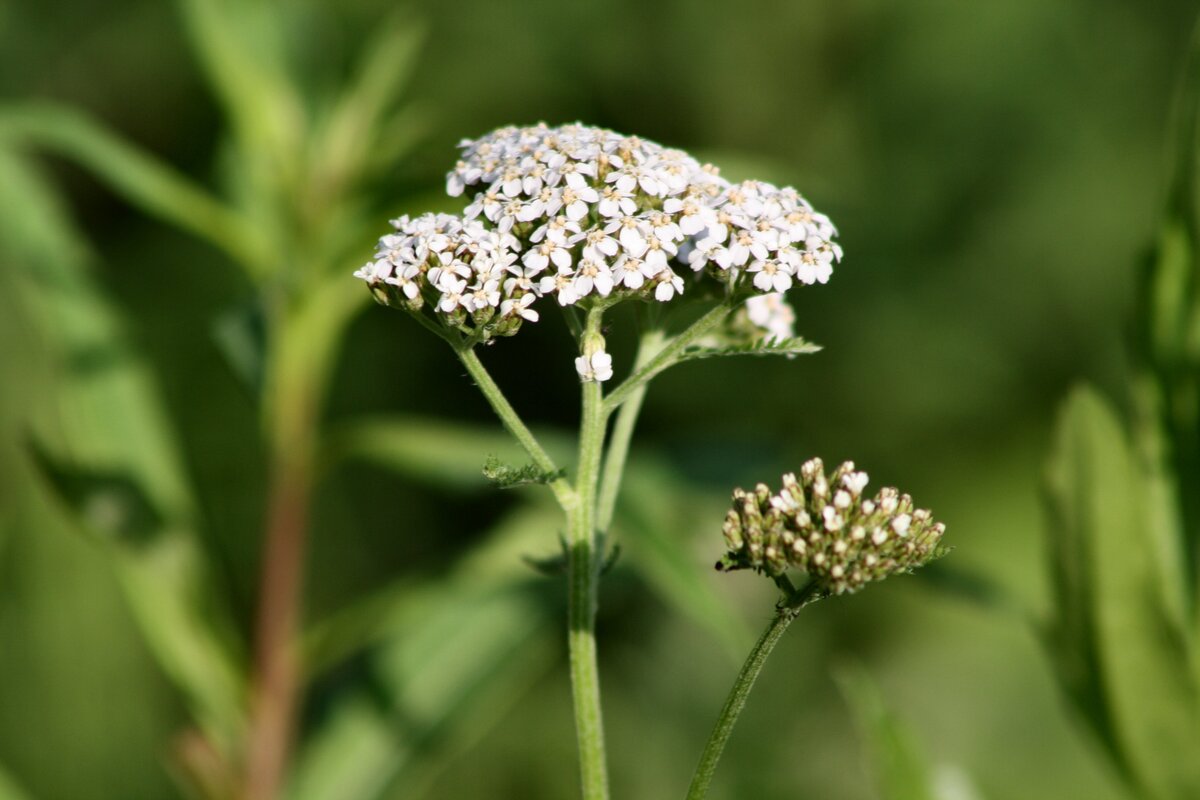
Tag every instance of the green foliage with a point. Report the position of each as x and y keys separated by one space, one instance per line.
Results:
x=1166 y=346
x=1121 y=649
x=1125 y=517
x=107 y=450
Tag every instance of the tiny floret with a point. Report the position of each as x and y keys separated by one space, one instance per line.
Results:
x=842 y=542
x=596 y=367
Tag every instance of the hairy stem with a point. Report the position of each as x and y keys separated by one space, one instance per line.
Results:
x=787 y=611
x=622 y=433
x=563 y=492
x=582 y=578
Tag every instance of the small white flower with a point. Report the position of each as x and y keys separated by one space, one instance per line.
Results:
x=631 y=233
x=561 y=230
x=406 y=280
x=598 y=245
x=485 y=295
x=486 y=203
x=657 y=253
x=669 y=285
x=770 y=276
x=576 y=199
x=375 y=271
x=519 y=308
x=616 y=202
x=597 y=367
x=452 y=290
x=630 y=271
x=592 y=274
x=540 y=257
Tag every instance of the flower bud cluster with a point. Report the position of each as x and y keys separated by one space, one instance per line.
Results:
x=574 y=212
x=827 y=527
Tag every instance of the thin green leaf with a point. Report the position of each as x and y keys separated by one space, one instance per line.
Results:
x=105 y=446
x=140 y=178
x=430 y=450
x=766 y=346
x=506 y=476
x=901 y=771
x=1120 y=650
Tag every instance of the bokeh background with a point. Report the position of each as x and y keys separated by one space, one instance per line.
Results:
x=995 y=169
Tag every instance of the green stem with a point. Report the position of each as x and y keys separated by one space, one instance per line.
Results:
x=668 y=355
x=563 y=492
x=788 y=610
x=582 y=575
x=618 y=446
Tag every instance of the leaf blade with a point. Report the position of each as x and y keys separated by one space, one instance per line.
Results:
x=1120 y=650
x=140 y=178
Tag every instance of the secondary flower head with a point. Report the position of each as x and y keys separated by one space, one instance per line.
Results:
x=586 y=215
x=826 y=526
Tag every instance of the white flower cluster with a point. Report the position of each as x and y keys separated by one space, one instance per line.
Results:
x=575 y=212
x=826 y=526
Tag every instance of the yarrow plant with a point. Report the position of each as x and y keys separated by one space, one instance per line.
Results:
x=582 y=219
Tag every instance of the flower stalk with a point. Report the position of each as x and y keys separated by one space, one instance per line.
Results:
x=785 y=613
x=622 y=432
x=582 y=586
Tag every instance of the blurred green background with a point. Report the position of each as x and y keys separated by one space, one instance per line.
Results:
x=995 y=170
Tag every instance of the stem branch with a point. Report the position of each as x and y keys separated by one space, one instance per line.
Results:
x=788 y=610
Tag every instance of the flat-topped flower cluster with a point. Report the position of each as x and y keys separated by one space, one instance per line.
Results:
x=827 y=527
x=576 y=212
